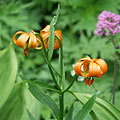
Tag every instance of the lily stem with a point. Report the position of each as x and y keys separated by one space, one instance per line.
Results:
x=61 y=63
x=61 y=102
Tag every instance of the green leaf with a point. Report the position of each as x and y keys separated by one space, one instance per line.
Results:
x=8 y=71
x=57 y=14
x=86 y=109
x=51 y=41
x=30 y=115
x=51 y=37
x=102 y=108
x=14 y=107
x=43 y=85
x=70 y=113
x=44 y=99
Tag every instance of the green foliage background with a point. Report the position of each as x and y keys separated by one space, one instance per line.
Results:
x=77 y=21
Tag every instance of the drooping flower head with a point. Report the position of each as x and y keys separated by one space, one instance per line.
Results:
x=90 y=68
x=108 y=23
x=45 y=35
x=26 y=41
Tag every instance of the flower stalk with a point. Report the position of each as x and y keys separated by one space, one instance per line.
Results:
x=61 y=94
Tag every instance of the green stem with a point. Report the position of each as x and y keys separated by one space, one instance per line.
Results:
x=61 y=63
x=61 y=96
x=49 y=65
x=61 y=100
x=73 y=80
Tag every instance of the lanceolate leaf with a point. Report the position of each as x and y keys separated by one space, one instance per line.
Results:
x=8 y=71
x=43 y=85
x=102 y=108
x=44 y=99
x=51 y=37
x=86 y=109
x=14 y=107
x=51 y=41
x=57 y=14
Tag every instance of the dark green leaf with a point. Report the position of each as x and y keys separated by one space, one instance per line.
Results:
x=8 y=71
x=86 y=109
x=44 y=99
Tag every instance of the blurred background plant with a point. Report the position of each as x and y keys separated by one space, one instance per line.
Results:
x=77 y=21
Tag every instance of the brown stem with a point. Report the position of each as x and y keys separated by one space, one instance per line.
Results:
x=115 y=69
x=115 y=76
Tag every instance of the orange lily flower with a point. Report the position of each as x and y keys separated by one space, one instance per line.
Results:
x=45 y=35
x=26 y=41
x=90 y=68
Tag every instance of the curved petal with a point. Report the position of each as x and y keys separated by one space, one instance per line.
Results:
x=58 y=33
x=45 y=35
x=19 y=32
x=86 y=59
x=94 y=70
x=22 y=40
x=103 y=65
x=46 y=29
x=94 y=60
x=77 y=67
x=39 y=43
x=85 y=65
x=57 y=44
x=56 y=41
x=85 y=71
x=32 y=41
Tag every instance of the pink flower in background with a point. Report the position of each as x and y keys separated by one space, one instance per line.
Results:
x=108 y=23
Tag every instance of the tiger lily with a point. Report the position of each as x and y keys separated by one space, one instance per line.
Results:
x=45 y=35
x=90 y=68
x=26 y=41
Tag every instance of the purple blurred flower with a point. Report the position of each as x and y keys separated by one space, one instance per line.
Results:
x=108 y=23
